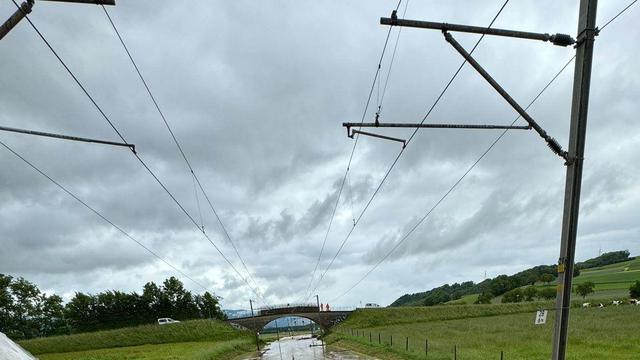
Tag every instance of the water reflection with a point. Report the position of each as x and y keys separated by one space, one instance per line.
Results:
x=304 y=347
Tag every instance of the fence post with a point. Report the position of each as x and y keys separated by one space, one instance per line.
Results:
x=391 y=340
x=501 y=355
x=379 y=342
x=426 y=347
x=406 y=346
x=369 y=336
x=455 y=352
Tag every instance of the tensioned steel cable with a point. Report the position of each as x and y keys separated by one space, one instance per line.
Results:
x=384 y=178
x=104 y=115
x=178 y=145
x=393 y=58
x=353 y=149
x=464 y=175
x=450 y=190
x=100 y=215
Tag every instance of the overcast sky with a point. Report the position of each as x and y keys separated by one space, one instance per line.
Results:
x=256 y=92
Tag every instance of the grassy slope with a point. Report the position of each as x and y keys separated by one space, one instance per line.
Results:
x=190 y=350
x=366 y=318
x=611 y=333
x=612 y=281
x=188 y=331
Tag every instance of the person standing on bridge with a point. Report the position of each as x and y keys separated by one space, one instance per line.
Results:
x=321 y=307
x=327 y=307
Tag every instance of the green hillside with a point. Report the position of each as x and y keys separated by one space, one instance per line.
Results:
x=480 y=332
x=612 y=281
x=185 y=340
x=612 y=273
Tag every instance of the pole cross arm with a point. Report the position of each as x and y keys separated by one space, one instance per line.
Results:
x=353 y=132
x=551 y=142
x=95 y=2
x=67 y=137
x=24 y=9
x=349 y=125
x=557 y=39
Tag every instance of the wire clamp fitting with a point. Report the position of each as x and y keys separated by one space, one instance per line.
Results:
x=394 y=17
x=587 y=34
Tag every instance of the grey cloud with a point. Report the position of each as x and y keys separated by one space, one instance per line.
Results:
x=256 y=93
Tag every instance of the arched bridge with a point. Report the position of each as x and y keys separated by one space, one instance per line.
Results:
x=325 y=319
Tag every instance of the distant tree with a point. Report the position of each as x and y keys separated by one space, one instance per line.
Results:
x=513 y=296
x=52 y=321
x=576 y=271
x=634 y=290
x=585 y=288
x=26 y=308
x=81 y=312
x=484 y=298
x=439 y=296
x=530 y=293
x=606 y=259
x=547 y=293
x=501 y=284
x=546 y=278
x=209 y=306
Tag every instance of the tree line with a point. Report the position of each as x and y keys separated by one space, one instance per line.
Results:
x=26 y=312
x=507 y=285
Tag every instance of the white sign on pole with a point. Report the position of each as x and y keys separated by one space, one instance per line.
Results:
x=541 y=317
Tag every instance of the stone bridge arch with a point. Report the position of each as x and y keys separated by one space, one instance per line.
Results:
x=325 y=319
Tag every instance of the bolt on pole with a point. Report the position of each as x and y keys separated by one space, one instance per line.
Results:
x=577 y=136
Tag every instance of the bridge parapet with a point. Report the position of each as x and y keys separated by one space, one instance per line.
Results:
x=325 y=319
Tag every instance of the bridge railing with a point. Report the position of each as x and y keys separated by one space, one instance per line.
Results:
x=287 y=306
x=284 y=309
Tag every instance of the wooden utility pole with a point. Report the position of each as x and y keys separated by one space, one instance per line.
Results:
x=577 y=136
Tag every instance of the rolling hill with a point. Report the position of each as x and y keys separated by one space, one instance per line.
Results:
x=612 y=273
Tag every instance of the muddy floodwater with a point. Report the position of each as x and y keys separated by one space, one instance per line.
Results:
x=304 y=347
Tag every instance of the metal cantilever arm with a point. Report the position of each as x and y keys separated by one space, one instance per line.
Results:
x=551 y=142
x=556 y=39
x=67 y=137
x=14 y=19
x=349 y=125
x=350 y=134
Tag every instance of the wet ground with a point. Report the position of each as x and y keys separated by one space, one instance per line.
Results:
x=304 y=347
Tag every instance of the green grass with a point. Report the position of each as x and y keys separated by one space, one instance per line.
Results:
x=612 y=277
x=467 y=299
x=612 y=282
x=611 y=333
x=190 y=350
x=366 y=318
x=185 y=332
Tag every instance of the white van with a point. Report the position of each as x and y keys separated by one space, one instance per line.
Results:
x=164 y=321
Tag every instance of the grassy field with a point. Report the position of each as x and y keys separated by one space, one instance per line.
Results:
x=217 y=350
x=612 y=282
x=612 y=333
x=198 y=339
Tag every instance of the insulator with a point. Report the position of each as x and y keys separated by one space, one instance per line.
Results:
x=555 y=146
x=562 y=40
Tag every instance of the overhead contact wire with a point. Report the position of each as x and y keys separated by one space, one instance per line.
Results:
x=491 y=146
x=395 y=161
x=77 y=81
x=177 y=143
